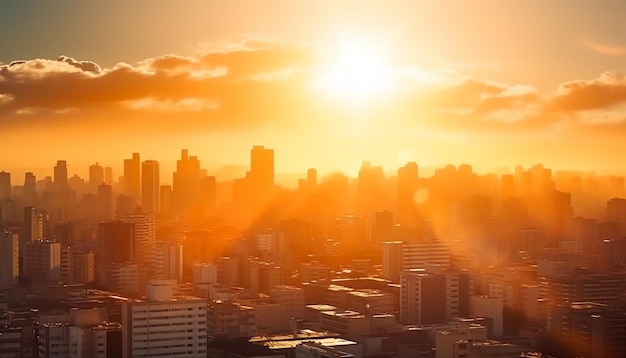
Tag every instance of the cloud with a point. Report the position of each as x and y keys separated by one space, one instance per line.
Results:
x=607 y=90
x=86 y=66
x=603 y=48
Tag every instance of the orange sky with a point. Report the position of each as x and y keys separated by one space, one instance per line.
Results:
x=327 y=84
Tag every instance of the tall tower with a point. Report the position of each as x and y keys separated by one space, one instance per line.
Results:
x=407 y=188
x=96 y=177
x=9 y=259
x=115 y=242
x=262 y=168
x=145 y=235
x=186 y=187
x=33 y=224
x=5 y=185
x=150 y=186
x=105 y=202
x=132 y=177
x=60 y=175
x=30 y=190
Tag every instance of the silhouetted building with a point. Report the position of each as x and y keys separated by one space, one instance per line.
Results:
x=5 y=185
x=96 y=177
x=132 y=177
x=60 y=175
x=116 y=240
x=150 y=186
x=9 y=259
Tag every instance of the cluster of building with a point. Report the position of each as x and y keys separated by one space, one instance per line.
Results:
x=456 y=264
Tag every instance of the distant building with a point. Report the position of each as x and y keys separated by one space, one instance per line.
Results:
x=230 y=320
x=401 y=256
x=42 y=260
x=9 y=259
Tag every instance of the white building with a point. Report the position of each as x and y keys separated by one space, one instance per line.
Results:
x=164 y=324
x=446 y=341
x=167 y=261
x=401 y=256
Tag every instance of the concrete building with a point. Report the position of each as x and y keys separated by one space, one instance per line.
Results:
x=492 y=308
x=83 y=267
x=290 y=299
x=145 y=235
x=230 y=320
x=9 y=259
x=432 y=297
x=316 y=350
x=42 y=260
x=401 y=256
x=167 y=261
x=124 y=278
x=446 y=340
x=164 y=324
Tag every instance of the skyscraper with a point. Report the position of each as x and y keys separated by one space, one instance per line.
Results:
x=145 y=235
x=9 y=259
x=105 y=202
x=60 y=175
x=5 y=185
x=186 y=186
x=96 y=177
x=150 y=186
x=262 y=168
x=30 y=189
x=115 y=242
x=132 y=177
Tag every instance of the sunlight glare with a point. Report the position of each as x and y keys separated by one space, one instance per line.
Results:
x=356 y=71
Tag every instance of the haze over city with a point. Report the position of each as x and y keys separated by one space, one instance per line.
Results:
x=324 y=83
x=312 y=179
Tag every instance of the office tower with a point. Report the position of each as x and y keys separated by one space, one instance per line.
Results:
x=434 y=297
x=616 y=212
x=406 y=190
x=262 y=169
x=108 y=175
x=105 y=202
x=164 y=324
x=83 y=267
x=560 y=215
x=145 y=235
x=66 y=233
x=150 y=186
x=264 y=276
x=371 y=188
x=588 y=329
x=5 y=185
x=401 y=256
x=186 y=188
x=124 y=204
x=8 y=212
x=166 y=200
x=30 y=188
x=60 y=175
x=33 y=224
x=382 y=227
x=229 y=320
x=132 y=177
x=96 y=177
x=489 y=307
x=42 y=260
x=9 y=259
x=208 y=193
x=126 y=278
x=116 y=241
x=167 y=261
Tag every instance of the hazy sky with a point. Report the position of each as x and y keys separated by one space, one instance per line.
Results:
x=325 y=83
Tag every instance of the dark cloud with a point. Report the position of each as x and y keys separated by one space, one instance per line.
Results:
x=604 y=92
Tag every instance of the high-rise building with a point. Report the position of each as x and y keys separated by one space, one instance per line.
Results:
x=132 y=177
x=105 y=202
x=30 y=189
x=145 y=235
x=60 y=175
x=42 y=260
x=167 y=261
x=108 y=175
x=5 y=185
x=262 y=168
x=9 y=259
x=164 y=324
x=33 y=224
x=434 y=297
x=401 y=256
x=186 y=188
x=166 y=199
x=83 y=267
x=96 y=177
x=150 y=186
x=116 y=241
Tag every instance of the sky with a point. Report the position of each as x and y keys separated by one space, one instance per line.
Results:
x=327 y=84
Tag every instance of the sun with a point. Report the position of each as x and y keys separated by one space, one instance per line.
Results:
x=356 y=71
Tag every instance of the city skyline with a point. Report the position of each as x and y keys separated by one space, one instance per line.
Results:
x=326 y=85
